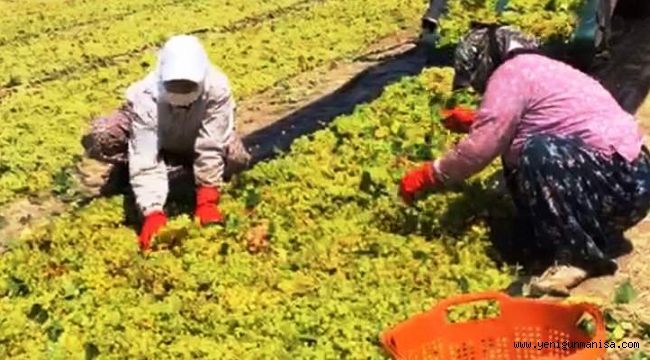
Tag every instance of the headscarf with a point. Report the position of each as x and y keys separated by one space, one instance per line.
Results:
x=483 y=49
x=182 y=58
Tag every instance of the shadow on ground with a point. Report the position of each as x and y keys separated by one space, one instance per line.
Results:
x=363 y=88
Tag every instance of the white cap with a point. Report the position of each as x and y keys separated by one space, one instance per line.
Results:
x=183 y=58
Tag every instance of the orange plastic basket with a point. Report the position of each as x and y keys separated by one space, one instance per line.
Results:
x=431 y=336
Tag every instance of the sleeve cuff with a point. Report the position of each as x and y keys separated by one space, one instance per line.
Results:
x=146 y=210
x=439 y=174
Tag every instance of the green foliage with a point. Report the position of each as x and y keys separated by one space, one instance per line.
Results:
x=623 y=325
x=43 y=122
x=346 y=260
x=588 y=326
x=86 y=75
x=544 y=18
x=625 y=293
x=626 y=320
x=77 y=48
x=640 y=355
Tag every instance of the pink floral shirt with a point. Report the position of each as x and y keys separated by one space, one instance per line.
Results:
x=532 y=94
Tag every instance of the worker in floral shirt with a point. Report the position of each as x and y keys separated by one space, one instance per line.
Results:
x=185 y=110
x=573 y=159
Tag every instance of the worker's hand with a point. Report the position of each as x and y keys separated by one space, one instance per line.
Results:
x=458 y=119
x=152 y=224
x=207 y=209
x=416 y=180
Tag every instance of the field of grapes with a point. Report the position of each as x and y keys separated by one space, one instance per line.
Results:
x=317 y=256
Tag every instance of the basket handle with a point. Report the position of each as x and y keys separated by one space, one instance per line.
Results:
x=441 y=308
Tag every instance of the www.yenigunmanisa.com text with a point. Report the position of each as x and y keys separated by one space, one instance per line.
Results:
x=569 y=345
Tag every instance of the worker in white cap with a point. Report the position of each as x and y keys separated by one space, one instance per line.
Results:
x=184 y=109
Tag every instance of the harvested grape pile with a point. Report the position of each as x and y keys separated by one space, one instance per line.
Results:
x=337 y=258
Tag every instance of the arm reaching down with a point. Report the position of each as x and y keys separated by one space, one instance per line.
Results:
x=493 y=129
x=215 y=132
x=147 y=171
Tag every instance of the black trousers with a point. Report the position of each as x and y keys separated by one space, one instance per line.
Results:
x=574 y=204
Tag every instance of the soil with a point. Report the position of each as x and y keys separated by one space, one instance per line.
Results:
x=26 y=211
x=270 y=121
x=287 y=96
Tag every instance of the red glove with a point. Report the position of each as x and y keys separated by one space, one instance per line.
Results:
x=421 y=178
x=207 y=209
x=152 y=224
x=458 y=119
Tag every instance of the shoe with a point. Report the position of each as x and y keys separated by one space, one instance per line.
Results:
x=558 y=280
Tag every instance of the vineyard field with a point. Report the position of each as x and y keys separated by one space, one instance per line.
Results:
x=318 y=254
x=49 y=118
x=337 y=268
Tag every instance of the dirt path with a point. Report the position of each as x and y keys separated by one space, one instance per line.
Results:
x=288 y=96
x=273 y=119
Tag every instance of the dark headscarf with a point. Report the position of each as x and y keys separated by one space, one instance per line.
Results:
x=483 y=49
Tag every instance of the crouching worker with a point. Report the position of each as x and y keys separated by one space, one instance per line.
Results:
x=574 y=161
x=184 y=109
